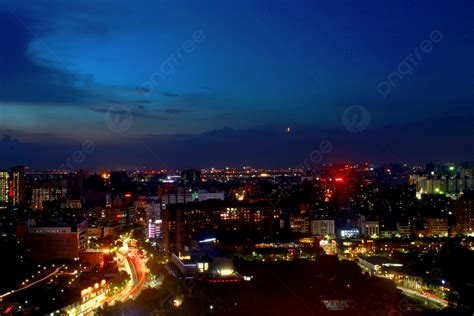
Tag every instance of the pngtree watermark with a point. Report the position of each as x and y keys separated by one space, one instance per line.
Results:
x=409 y=63
x=168 y=67
x=356 y=118
x=119 y=118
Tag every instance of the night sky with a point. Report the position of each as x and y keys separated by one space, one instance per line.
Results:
x=217 y=83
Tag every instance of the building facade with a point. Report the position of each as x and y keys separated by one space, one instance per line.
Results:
x=4 y=186
x=16 y=185
x=323 y=228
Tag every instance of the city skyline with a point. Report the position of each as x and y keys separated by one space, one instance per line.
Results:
x=246 y=157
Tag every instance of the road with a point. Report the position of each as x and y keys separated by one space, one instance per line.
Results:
x=440 y=303
x=138 y=272
x=423 y=296
x=135 y=267
x=130 y=261
x=31 y=284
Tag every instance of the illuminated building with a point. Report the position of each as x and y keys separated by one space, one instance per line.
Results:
x=299 y=224
x=17 y=185
x=204 y=195
x=372 y=228
x=436 y=226
x=464 y=214
x=75 y=204
x=349 y=233
x=45 y=193
x=404 y=229
x=152 y=208
x=368 y=228
x=323 y=228
x=245 y=220
x=154 y=228
x=91 y=298
x=125 y=215
x=443 y=184
x=112 y=230
x=175 y=194
x=4 y=186
x=205 y=264
x=50 y=243
x=375 y=264
x=92 y=257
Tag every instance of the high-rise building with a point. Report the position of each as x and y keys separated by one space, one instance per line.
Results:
x=323 y=228
x=464 y=213
x=16 y=185
x=4 y=186
x=368 y=228
x=436 y=226
x=176 y=194
x=45 y=193
x=47 y=243
x=299 y=224
x=239 y=222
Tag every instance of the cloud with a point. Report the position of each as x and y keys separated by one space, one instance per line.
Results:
x=224 y=116
x=142 y=90
x=136 y=111
x=27 y=78
x=142 y=101
x=23 y=78
x=174 y=111
x=8 y=142
x=169 y=94
x=417 y=142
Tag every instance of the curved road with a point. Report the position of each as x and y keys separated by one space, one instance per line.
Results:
x=135 y=267
x=31 y=284
x=440 y=303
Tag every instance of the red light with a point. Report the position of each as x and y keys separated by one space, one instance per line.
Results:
x=119 y=216
x=127 y=195
x=338 y=179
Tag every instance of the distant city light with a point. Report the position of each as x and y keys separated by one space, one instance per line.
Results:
x=226 y=272
x=207 y=240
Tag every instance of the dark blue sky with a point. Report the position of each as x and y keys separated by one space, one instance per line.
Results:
x=201 y=83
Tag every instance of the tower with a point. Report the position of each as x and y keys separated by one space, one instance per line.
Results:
x=16 y=185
